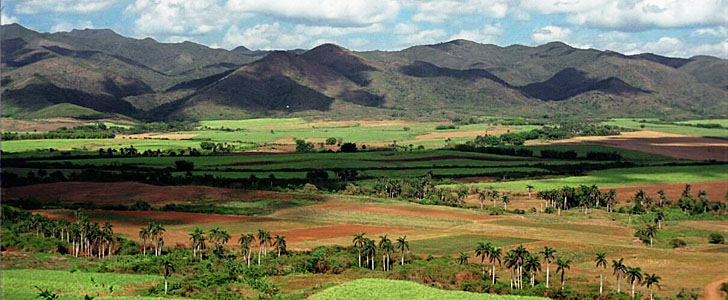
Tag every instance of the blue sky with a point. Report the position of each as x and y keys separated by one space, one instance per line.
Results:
x=668 y=27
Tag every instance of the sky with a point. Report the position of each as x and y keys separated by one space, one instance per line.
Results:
x=681 y=28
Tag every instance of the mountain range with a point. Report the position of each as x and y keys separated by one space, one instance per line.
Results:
x=97 y=72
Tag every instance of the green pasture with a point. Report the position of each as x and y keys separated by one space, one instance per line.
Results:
x=95 y=144
x=453 y=244
x=22 y=283
x=372 y=289
x=621 y=177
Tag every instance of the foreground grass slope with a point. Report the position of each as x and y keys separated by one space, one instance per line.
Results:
x=24 y=284
x=370 y=289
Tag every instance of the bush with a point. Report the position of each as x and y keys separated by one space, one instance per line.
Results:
x=309 y=188
x=445 y=127
x=348 y=147
x=184 y=166
x=677 y=243
x=331 y=141
x=716 y=238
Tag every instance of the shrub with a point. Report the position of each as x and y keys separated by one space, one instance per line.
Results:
x=716 y=238
x=184 y=166
x=677 y=243
x=309 y=188
x=445 y=127
x=348 y=147
x=331 y=141
x=303 y=146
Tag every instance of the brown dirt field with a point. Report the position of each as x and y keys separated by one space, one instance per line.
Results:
x=398 y=210
x=128 y=192
x=716 y=190
x=25 y=125
x=668 y=144
x=162 y=136
x=441 y=135
x=475 y=179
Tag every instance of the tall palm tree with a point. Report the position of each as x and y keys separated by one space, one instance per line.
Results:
x=280 y=244
x=495 y=259
x=483 y=251
x=506 y=199
x=511 y=262
x=195 y=236
x=562 y=266
x=370 y=250
x=463 y=258
x=619 y=269
x=384 y=245
x=601 y=261
x=168 y=270
x=663 y=198
x=532 y=266
x=244 y=240
x=651 y=232
x=144 y=235
x=634 y=275
x=659 y=216
x=651 y=280
x=609 y=199
x=359 y=241
x=530 y=189
x=263 y=237
x=402 y=246
x=482 y=195
x=548 y=256
x=494 y=196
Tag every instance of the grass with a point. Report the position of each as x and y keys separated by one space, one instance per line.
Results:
x=621 y=177
x=95 y=144
x=21 y=283
x=454 y=244
x=669 y=128
x=370 y=289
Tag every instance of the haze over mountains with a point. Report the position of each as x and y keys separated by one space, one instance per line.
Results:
x=98 y=72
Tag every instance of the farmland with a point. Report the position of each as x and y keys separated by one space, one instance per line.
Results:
x=433 y=196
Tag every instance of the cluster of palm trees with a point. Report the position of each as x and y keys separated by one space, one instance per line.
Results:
x=492 y=195
x=368 y=248
x=520 y=263
x=582 y=196
x=219 y=237
x=635 y=277
x=154 y=233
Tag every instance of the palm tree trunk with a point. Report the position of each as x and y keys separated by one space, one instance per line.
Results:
x=359 y=257
x=548 y=269
x=259 y=251
x=601 y=283
x=632 y=289
x=619 y=283
x=402 y=264
x=166 y=282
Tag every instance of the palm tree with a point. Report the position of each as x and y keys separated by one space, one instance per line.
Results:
x=495 y=259
x=619 y=270
x=463 y=258
x=530 y=189
x=263 y=238
x=385 y=244
x=144 y=235
x=359 y=241
x=244 y=240
x=402 y=246
x=651 y=232
x=601 y=261
x=494 y=196
x=195 y=236
x=483 y=251
x=482 y=195
x=649 y=281
x=370 y=250
x=609 y=199
x=548 y=257
x=562 y=266
x=280 y=244
x=634 y=275
x=168 y=270
x=659 y=216
x=532 y=266
x=663 y=198
x=505 y=200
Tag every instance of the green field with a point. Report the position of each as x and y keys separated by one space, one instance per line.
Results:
x=22 y=283
x=454 y=244
x=671 y=128
x=95 y=144
x=621 y=177
x=370 y=289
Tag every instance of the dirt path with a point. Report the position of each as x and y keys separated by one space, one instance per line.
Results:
x=712 y=290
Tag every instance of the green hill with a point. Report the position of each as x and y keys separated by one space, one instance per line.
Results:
x=372 y=289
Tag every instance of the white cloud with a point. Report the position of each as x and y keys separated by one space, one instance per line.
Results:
x=8 y=19
x=62 y=6
x=635 y=15
x=423 y=37
x=438 y=11
x=178 y=17
x=551 y=33
x=264 y=36
x=405 y=28
x=720 y=31
x=487 y=35
x=67 y=26
x=330 y=12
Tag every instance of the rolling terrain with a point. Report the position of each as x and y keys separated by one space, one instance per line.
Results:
x=143 y=79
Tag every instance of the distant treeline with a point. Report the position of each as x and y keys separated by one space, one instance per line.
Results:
x=98 y=131
x=563 y=131
x=546 y=153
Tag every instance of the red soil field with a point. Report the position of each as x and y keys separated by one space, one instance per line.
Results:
x=396 y=210
x=126 y=193
x=716 y=190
